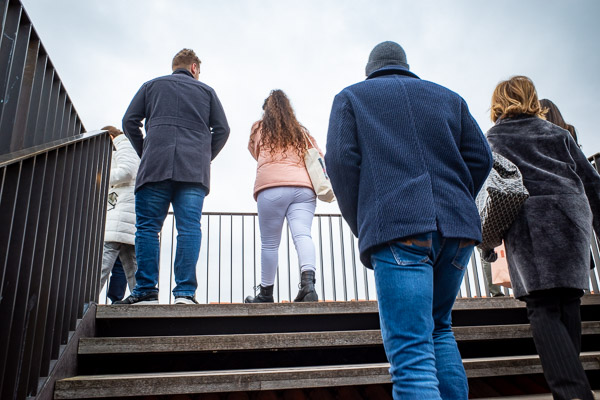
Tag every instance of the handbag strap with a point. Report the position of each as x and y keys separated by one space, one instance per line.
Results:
x=309 y=141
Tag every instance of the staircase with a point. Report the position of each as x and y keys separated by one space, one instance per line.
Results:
x=298 y=351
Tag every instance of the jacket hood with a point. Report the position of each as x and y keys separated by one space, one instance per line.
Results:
x=119 y=139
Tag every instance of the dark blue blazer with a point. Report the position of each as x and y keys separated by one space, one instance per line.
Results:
x=405 y=157
x=185 y=129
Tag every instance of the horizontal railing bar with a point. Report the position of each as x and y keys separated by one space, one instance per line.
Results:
x=11 y=158
x=250 y=214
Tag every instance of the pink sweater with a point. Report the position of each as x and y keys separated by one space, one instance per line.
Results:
x=278 y=170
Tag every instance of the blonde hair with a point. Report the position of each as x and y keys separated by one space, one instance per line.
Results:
x=514 y=97
x=184 y=59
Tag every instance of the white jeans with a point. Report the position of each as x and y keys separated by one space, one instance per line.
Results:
x=126 y=252
x=297 y=204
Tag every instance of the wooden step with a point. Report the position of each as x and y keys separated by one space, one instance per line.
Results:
x=96 y=386
x=547 y=396
x=233 y=310
x=516 y=331
x=278 y=309
x=282 y=341
x=519 y=365
x=219 y=319
x=268 y=341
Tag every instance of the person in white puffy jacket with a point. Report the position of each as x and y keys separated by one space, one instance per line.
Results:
x=119 y=237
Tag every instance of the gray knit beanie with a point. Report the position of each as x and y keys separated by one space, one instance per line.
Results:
x=384 y=54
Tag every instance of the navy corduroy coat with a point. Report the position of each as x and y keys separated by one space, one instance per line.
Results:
x=185 y=126
x=405 y=157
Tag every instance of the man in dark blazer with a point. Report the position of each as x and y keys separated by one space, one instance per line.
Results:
x=406 y=160
x=185 y=130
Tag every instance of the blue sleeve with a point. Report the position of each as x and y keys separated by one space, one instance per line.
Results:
x=474 y=149
x=343 y=159
x=132 y=121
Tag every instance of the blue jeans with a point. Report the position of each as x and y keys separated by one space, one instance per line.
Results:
x=417 y=280
x=151 y=207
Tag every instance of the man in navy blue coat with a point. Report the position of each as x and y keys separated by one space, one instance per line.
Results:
x=185 y=130
x=406 y=160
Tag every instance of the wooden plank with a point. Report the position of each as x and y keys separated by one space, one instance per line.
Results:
x=275 y=309
x=547 y=396
x=516 y=331
x=509 y=302
x=95 y=386
x=277 y=341
x=220 y=381
x=518 y=365
x=234 y=310
x=523 y=397
x=270 y=341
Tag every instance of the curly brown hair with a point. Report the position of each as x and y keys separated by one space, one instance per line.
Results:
x=280 y=130
x=514 y=97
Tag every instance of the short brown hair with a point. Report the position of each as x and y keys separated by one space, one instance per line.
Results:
x=112 y=131
x=514 y=97
x=184 y=59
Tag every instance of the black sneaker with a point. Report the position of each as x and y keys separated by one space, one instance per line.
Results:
x=185 y=300
x=150 y=298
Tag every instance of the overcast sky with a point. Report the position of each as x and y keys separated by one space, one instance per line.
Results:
x=104 y=50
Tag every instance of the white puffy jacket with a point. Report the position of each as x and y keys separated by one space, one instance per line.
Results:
x=120 y=215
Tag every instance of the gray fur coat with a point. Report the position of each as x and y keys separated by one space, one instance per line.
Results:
x=548 y=246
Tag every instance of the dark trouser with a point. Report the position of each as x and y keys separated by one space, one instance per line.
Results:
x=555 y=321
x=117 y=282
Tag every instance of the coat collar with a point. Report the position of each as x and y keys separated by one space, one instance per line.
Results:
x=182 y=71
x=392 y=70
x=515 y=118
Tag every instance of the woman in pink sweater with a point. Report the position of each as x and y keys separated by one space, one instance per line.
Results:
x=283 y=190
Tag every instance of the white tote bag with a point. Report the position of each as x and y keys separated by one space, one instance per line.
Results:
x=315 y=165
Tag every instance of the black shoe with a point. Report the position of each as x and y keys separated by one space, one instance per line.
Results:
x=150 y=298
x=185 y=300
x=265 y=295
x=307 y=290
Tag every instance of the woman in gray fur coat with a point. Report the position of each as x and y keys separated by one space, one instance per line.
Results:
x=548 y=245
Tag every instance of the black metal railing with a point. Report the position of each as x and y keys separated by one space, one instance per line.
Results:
x=52 y=207
x=595 y=273
x=34 y=105
x=229 y=264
